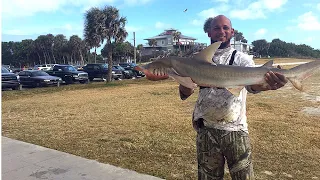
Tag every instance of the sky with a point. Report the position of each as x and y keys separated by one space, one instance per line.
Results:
x=293 y=21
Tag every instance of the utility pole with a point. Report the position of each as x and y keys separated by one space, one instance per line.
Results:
x=134 y=46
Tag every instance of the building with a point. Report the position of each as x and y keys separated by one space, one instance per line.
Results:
x=165 y=42
x=242 y=47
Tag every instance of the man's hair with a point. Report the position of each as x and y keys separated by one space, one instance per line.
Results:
x=207 y=25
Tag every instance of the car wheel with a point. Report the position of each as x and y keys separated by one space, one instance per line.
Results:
x=69 y=80
x=17 y=87
x=91 y=78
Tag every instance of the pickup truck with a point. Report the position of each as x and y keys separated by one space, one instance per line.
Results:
x=69 y=74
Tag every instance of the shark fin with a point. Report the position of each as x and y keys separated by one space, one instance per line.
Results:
x=185 y=81
x=268 y=64
x=235 y=90
x=206 y=54
x=296 y=83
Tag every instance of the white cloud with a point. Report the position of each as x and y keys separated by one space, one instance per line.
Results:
x=212 y=12
x=197 y=22
x=258 y=9
x=308 y=22
x=133 y=29
x=161 y=25
x=260 y=33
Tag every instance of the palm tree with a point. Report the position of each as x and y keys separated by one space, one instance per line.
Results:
x=176 y=37
x=76 y=45
x=153 y=43
x=93 y=26
x=113 y=31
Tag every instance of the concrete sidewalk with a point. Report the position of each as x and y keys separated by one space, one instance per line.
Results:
x=26 y=161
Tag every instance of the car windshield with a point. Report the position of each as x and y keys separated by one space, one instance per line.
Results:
x=39 y=73
x=119 y=67
x=4 y=70
x=69 y=68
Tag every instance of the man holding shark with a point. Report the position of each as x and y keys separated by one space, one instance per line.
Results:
x=219 y=116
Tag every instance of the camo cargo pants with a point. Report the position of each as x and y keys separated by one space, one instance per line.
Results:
x=214 y=146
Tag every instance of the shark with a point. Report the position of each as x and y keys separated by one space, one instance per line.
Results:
x=200 y=70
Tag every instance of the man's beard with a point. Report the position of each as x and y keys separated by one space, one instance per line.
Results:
x=223 y=45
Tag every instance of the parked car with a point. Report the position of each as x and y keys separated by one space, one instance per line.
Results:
x=126 y=74
x=117 y=73
x=9 y=79
x=130 y=66
x=69 y=74
x=38 y=78
x=100 y=70
x=44 y=67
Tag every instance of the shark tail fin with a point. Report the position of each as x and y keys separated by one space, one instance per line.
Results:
x=302 y=72
x=297 y=83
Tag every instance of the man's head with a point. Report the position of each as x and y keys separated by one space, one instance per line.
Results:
x=221 y=30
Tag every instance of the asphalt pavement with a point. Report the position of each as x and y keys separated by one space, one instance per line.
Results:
x=24 y=161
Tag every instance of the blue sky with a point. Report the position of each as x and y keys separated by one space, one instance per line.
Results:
x=290 y=20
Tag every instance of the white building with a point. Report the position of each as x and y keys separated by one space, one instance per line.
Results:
x=242 y=47
x=167 y=43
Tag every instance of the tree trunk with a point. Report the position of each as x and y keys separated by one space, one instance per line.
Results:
x=109 y=79
x=54 y=59
x=39 y=57
x=81 y=57
x=45 y=58
x=95 y=54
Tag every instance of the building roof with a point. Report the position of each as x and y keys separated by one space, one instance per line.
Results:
x=167 y=33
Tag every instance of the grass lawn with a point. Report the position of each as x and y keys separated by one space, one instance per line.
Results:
x=144 y=126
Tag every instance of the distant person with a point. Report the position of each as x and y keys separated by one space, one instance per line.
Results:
x=220 y=117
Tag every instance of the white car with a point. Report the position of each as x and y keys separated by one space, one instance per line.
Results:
x=44 y=67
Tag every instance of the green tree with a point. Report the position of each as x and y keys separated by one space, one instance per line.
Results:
x=261 y=47
x=113 y=31
x=93 y=29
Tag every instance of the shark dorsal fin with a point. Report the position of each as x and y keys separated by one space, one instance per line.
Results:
x=268 y=64
x=206 y=54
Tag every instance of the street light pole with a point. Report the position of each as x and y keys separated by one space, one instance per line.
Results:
x=134 y=46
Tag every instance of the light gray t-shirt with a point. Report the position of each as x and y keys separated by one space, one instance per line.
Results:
x=217 y=106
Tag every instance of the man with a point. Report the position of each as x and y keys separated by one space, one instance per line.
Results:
x=219 y=117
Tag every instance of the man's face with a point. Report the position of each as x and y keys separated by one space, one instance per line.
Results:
x=221 y=30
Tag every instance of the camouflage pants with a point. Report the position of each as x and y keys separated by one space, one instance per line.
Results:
x=214 y=146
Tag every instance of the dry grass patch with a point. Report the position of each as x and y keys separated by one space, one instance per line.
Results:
x=144 y=126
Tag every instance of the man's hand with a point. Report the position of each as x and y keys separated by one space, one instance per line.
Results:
x=274 y=81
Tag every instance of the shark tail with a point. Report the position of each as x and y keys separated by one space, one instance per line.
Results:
x=303 y=72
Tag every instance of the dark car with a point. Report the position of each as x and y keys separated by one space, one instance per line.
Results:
x=130 y=66
x=69 y=74
x=9 y=79
x=96 y=70
x=38 y=78
x=100 y=70
x=126 y=74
